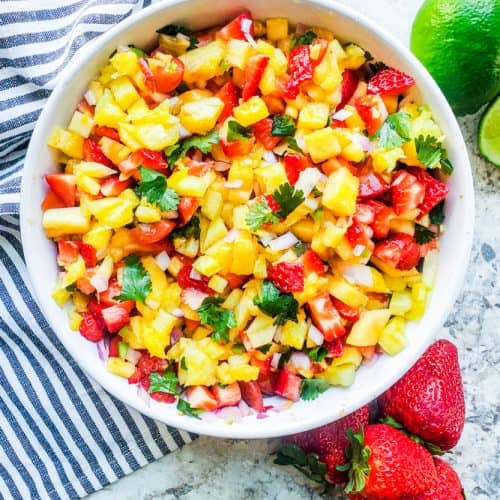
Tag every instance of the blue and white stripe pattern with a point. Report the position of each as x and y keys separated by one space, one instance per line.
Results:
x=61 y=435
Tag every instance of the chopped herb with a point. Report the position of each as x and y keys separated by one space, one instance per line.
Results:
x=260 y=213
x=175 y=29
x=274 y=303
x=285 y=356
x=328 y=121
x=184 y=407
x=182 y=87
x=306 y=39
x=446 y=165
x=318 y=214
x=264 y=349
x=122 y=349
x=318 y=353
x=423 y=235
x=183 y=363
x=202 y=142
x=373 y=68
x=428 y=150
x=163 y=383
x=292 y=144
x=436 y=215
x=237 y=132
x=190 y=230
x=395 y=131
x=299 y=248
x=283 y=126
x=238 y=348
x=136 y=282
x=219 y=319
x=153 y=186
x=311 y=388
x=71 y=288
x=316 y=192
x=420 y=265
x=288 y=199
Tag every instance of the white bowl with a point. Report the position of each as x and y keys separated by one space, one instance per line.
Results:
x=348 y=25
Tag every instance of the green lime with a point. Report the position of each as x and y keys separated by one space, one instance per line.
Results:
x=489 y=133
x=458 y=41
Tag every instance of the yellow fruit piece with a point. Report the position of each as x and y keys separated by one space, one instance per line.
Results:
x=419 y=295
x=216 y=230
x=294 y=334
x=267 y=84
x=119 y=367
x=222 y=251
x=353 y=152
x=327 y=73
x=251 y=111
x=270 y=177
x=147 y=214
x=260 y=267
x=239 y=217
x=87 y=184
x=128 y=135
x=211 y=206
x=107 y=111
x=158 y=281
x=115 y=151
x=400 y=303
x=244 y=373
x=322 y=144
x=125 y=63
x=355 y=57
x=157 y=136
x=138 y=110
x=354 y=121
x=132 y=333
x=237 y=53
x=204 y=62
x=157 y=339
x=74 y=320
x=392 y=340
x=314 y=115
x=189 y=248
x=60 y=294
x=342 y=376
x=261 y=330
x=304 y=229
x=68 y=142
x=395 y=283
x=194 y=95
x=81 y=124
x=200 y=117
x=190 y=185
x=217 y=283
x=350 y=356
x=93 y=169
x=123 y=92
x=244 y=253
x=241 y=171
x=244 y=308
x=277 y=28
x=80 y=301
x=391 y=271
x=64 y=221
x=130 y=196
x=206 y=265
x=330 y=234
x=346 y=292
x=341 y=192
x=313 y=284
x=410 y=153
x=366 y=331
x=233 y=299
x=386 y=160
x=278 y=62
x=112 y=212
x=96 y=89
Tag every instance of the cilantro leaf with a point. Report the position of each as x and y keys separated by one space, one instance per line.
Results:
x=260 y=213
x=283 y=126
x=316 y=192
x=292 y=144
x=184 y=407
x=299 y=248
x=163 y=383
x=202 y=142
x=423 y=235
x=237 y=132
x=175 y=29
x=183 y=363
x=446 y=165
x=288 y=199
x=221 y=320
x=395 y=131
x=264 y=349
x=311 y=388
x=136 y=282
x=436 y=215
x=373 y=68
x=153 y=186
x=275 y=303
x=318 y=353
x=428 y=150
x=190 y=230
x=306 y=39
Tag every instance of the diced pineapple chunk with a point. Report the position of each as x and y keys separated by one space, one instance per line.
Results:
x=271 y=176
x=74 y=319
x=419 y=295
x=147 y=213
x=81 y=124
x=341 y=192
x=120 y=367
x=322 y=144
x=98 y=236
x=128 y=135
x=125 y=63
x=353 y=152
x=410 y=153
x=115 y=151
x=93 y=169
x=392 y=340
x=294 y=334
x=204 y=62
x=277 y=28
x=112 y=212
x=216 y=230
x=200 y=117
x=241 y=170
x=240 y=213
x=347 y=293
x=87 y=184
x=60 y=294
x=251 y=111
x=330 y=234
x=238 y=52
x=261 y=330
x=206 y=265
x=124 y=92
x=63 y=221
x=327 y=73
x=244 y=253
x=355 y=57
x=217 y=283
x=107 y=111
x=401 y=303
x=157 y=136
x=157 y=339
x=260 y=268
x=190 y=185
x=244 y=373
x=68 y=142
x=385 y=160
x=267 y=84
x=366 y=331
x=222 y=251
x=314 y=115
x=354 y=121
x=211 y=206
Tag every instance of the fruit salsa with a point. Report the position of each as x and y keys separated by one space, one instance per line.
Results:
x=249 y=210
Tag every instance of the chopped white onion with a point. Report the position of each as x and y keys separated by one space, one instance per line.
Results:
x=300 y=360
x=244 y=409
x=195 y=275
x=363 y=141
x=222 y=166
x=175 y=335
x=270 y=157
x=311 y=203
x=99 y=282
x=209 y=416
x=133 y=356
x=236 y=184
x=103 y=349
x=323 y=178
x=122 y=48
x=308 y=178
x=265 y=237
x=358 y=274
x=183 y=132
x=231 y=235
x=182 y=36
x=246 y=24
x=369 y=232
x=315 y=335
x=301 y=142
x=162 y=260
x=230 y=414
x=177 y=312
x=193 y=298
x=278 y=335
x=275 y=360
x=284 y=242
x=143 y=395
x=152 y=304
x=90 y=97
x=358 y=250
x=341 y=115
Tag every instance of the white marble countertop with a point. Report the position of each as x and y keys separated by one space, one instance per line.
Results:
x=221 y=469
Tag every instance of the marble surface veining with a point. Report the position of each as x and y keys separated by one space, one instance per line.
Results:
x=221 y=469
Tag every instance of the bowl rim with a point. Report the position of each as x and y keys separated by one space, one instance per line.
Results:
x=191 y=424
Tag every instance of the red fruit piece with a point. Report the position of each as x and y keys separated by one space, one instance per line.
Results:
x=373 y=112
x=149 y=159
x=51 y=200
x=386 y=464
x=300 y=68
x=228 y=95
x=187 y=208
x=435 y=190
x=64 y=186
x=200 y=397
x=429 y=401
x=107 y=298
x=329 y=442
x=266 y=383
x=349 y=84
x=287 y=276
x=399 y=250
x=106 y=132
x=335 y=347
x=113 y=186
x=152 y=233
x=312 y=263
x=326 y=317
x=262 y=131
x=253 y=73
x=371 y=185
x=390 y=81
x=149 y=77
x=115 y=317
x=238 y=27
x=113 y=346
x=287 y=385
x=92 y=327
x=163 y=397
x=294 y=164
x=185 y=281
x=407 y=192
x=230 y=395
x=88 y=253
x=347 y=312
x=67 y=252
x=251 y=393
x=382 y=216
x=273 y=204
x=237 y=148
x=146 y=365
x=93 y=152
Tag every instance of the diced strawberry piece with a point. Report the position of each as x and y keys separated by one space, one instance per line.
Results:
x=64 y=186
x=364 y=213
x=234 y=280
x=262 y=131
x=349 y=83
x=371 y=185
x=335 y=347
x=152 y=233
x=113 y=186
x=149 y=159
x=149 y=77
x=356 y=234
x=287 y=276
x=347 y=312
x=399 y=250
x=238 y=27
x=390 y=81
x=382 y=218
x=230 y=395
x=115 y=318
x=288 y=385
x=67 y=252
x=85 y=286
x=326 y=317
x=407 y=192
x=253 y=73
x=88 y=253
x=273 y=204
x=312 y=263
x=163 y=397
x=148 y=364
x=200 y=397
x=252 y=394
x=113 y=346
x=263 y=365
x=237 y=148
x=435 y=190
x=107 y=298
x=229 y=96
x=51 y=200
x=185 y=281
x=300 y=68
x=106 y=132
x=337 y=123
x=92 y=327
x=191 y=324
x=93 y=152
x=266 y=383
x=84 y=107
x=372 y=111
x=294 y=164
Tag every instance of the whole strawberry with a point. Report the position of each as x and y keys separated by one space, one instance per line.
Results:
x=386 y=464
x=429 y=400
x=448 y=486
x=329 y=442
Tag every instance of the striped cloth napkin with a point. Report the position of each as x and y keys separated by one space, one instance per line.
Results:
x=61 y=435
